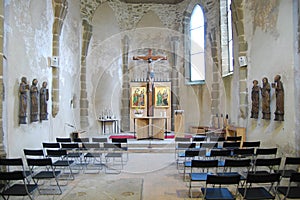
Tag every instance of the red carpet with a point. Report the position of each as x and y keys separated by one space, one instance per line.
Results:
x=132 y=137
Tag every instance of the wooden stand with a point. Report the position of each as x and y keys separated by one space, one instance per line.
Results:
x=179 y=121
x=150 y=127
x=236 y=131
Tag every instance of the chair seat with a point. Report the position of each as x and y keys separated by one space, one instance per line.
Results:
x=199 y=176
x=62 y=163
x=19 y=190
x=256 y=193
x=46 y=175
x=286 y=173
x=294 y=192
x=217 y=194
x=113 y=155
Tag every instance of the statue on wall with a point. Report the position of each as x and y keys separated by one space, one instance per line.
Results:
x=279 y=112
x=34 y=100
x=255 y=99
x=44 y=97
x=24 y=87
x=265 y=93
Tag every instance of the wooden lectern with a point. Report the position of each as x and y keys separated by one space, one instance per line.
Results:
x=179 y=121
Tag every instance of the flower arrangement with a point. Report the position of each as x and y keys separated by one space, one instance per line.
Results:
x=138 y=111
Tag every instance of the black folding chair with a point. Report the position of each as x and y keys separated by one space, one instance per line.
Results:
x=15 y=184
x=291 y=164
x=292 y=191
x=65 y=140
x=199 y=171
x=93 y=156
x=219 y=193
x=260 y=186
x=42 y=170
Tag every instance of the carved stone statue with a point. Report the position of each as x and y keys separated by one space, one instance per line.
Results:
x=44 y=97
x=34 y=99
x=279 y=112
x=265 y=93
x=255 y=99
x=23 y=89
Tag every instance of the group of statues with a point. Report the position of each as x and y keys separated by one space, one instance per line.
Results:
x=38 y=101
x=266 y=99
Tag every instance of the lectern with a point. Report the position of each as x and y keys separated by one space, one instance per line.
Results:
x=179 y=121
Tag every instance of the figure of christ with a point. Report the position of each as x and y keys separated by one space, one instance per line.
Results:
x=150 y=79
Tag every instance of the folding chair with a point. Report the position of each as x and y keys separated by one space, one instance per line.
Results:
x=74 y=152
x=292 y=191
x=199 y=171
x=93 y=156
x=180 y=149
x=42 y=169
x=266 y=152
x=100 y=140
x=113 y=151
x=243 y=153
x=14 y=164
x=124 y=145
x=219 y=193
x=190 y=155
x=260 y=186
x=220 y=155
x=16 y=185
x=61 y=161
x=209 y=145
x=266 y=165
x=291 y=164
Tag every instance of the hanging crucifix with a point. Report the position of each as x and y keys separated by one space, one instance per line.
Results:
x=150 y=77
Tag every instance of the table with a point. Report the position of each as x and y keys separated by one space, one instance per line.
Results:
x=150 y=127
x=114 y=122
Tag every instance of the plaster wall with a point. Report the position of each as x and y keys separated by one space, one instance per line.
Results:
x=28 y=45
x=269 y=32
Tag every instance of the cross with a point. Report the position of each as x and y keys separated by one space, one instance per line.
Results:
x=150 y=58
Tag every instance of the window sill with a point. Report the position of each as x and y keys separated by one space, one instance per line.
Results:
x=195 y=82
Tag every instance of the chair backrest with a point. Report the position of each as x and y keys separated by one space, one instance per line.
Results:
x=199 y=138
x=292 y=161
x=295 y=177
x=233 y=138
x=34 y=153
x=51 y=145
x=217 y=139
x=267 y=162
x=243 y=152
x=56 y=152
x=182 y=139
x=12 y=176
x=195 y=153
x=223 y=179
x=237 y=163
x=11 y=162
x=91 y=145
x=209 y=145
x=263 y=178
x=220 y=153
x=186 y=145
x=266 y=151
x=39 y=162
x=108 y=145
x=231 y=144
x=81 y=140
x=63 y=139
x=251 y=144
x=204 y=164
x=101 y=139
x=70 y=146
x=119 y=140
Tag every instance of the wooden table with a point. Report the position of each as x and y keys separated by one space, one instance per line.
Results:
x=150 y=127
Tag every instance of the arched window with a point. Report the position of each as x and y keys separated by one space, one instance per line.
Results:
x=226 y=37
x=197 y=46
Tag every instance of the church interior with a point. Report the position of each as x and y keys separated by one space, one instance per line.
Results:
x=150 y=72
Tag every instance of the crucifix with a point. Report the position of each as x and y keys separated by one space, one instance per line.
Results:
x=150 y=77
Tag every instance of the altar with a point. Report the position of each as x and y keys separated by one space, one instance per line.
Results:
x=150 y=127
